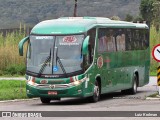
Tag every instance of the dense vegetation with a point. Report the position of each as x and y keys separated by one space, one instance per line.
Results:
x=10 y=61
x=30 y=12
x=154 y=40
x=150 y=12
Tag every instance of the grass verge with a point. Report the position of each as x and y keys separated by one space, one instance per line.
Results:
x=153 y=74
x=153 y=95
x=12 y=89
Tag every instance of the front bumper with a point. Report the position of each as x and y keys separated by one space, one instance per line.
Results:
x=62 y=90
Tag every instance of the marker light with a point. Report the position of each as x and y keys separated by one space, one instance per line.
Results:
x=71 y=79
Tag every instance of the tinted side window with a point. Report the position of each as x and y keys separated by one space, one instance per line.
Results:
x=92 y=34
x=135 y=42
x=145 y=41
x=129 y=39
x=110 y=40
x=106 y=40
x=120 y=40
x=137 y=39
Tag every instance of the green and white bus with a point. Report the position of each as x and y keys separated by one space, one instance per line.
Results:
x=85 y=57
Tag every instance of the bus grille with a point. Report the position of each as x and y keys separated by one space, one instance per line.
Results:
x=52 y=86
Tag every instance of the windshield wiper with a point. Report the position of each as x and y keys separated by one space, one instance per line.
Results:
x=60 y=63
x=48 y=59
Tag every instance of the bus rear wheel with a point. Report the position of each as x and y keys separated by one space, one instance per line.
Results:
x=132 y=90
x=45 y=100
x=96 y=94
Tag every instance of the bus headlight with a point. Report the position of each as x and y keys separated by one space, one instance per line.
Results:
x=31 y=81
x=76 y=83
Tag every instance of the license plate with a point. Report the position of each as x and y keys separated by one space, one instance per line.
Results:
x=52 y=92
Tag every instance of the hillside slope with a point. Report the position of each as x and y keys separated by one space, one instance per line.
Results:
x=30 y=12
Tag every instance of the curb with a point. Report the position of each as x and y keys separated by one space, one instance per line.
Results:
x=18 y=100
x=151 y=98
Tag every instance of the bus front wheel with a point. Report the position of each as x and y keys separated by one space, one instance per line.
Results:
x=96 y=92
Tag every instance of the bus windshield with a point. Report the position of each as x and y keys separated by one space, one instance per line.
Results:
x=55 y=55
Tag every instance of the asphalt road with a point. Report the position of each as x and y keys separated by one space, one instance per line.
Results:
x=109 y=102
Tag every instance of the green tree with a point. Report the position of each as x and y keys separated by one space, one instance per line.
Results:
x=146 y=10
x=138 y=19
x=156 y=14
x=115 y=18
x=129 y=18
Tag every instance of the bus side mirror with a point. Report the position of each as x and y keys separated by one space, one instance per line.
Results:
x=85 y=46
x=20 y=45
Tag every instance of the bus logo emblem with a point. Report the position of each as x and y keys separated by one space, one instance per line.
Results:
x=100 y=62
x=69 y=39
x=52 y=86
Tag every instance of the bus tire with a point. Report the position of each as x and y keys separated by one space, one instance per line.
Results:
x=96 y=93
x=132 y=90
x=45 y=100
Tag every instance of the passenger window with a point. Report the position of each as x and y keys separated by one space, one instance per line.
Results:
x=120 y=40
x=92 y=34
x=128 y=39
x=106 y=40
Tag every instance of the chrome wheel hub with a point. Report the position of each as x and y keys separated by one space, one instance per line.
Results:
x=96 y=90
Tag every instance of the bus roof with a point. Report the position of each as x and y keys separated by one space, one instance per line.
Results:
x=77 y=25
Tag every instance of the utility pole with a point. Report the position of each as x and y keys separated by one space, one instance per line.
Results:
x=75 y=9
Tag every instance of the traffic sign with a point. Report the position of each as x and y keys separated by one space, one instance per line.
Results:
x=156 y=53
